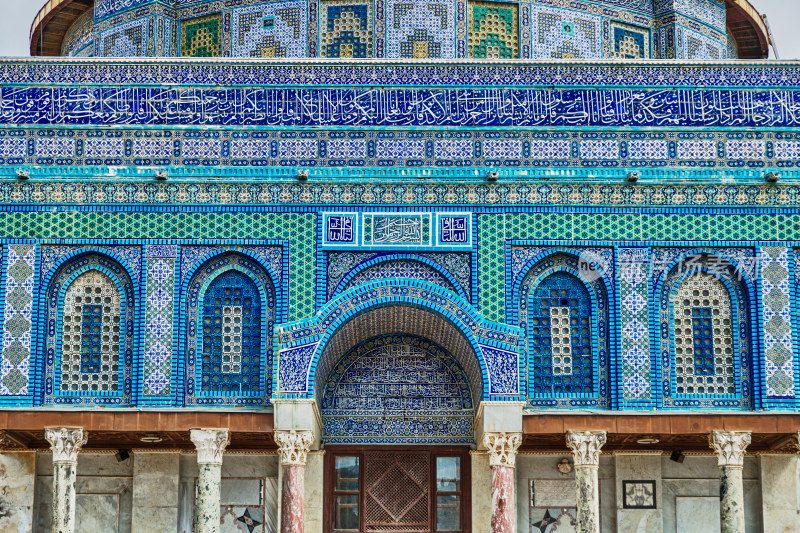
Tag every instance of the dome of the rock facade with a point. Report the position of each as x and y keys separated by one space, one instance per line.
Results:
x=402 y=29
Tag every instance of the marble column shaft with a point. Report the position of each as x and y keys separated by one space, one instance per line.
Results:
x=502 y=460
x=294 y=447
x=210 y=444
x=730 y=447
x=585 y=446
x=65 y=444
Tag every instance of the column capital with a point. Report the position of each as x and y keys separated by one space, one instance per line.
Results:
x=797 y=442
x=502 y=448
x=65 y=442
x=294 y=446
x=210 y=444
x=585 y=446
x=729 y=446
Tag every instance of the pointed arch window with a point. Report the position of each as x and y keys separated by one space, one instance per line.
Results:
x=88 y=346
x=703 y=337
x=232 y=343
x=560 y=337
x=563 y=310
x=91 y=334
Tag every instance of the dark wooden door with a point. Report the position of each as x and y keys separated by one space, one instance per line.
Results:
x=396 y=491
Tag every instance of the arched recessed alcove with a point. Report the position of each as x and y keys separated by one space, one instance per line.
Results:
x=398 y=374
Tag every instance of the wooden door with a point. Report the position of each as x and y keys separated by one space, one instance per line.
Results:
x=396 y=491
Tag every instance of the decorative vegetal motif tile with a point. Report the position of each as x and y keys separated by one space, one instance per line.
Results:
x=710 y=12
x=202 y=148
x=560 y=33
x=639 y=494
x=277 y=29
x=502 y=149
x=91 y=301
x=651 y=149
x=418 y=30
x=12 y=147
x=228 y=291
x=629 y=42
x=202 y=36
x=104 y=148
x=346 y=29
x=634 y=266
x=777 y=322
x=604 y=150
x=493 y=29
x=563 y=308
x=127 y=40
x=55 y=147
x=347 y=149
x=157 y=374
x=745 y=149
x=397 y=389
x=448 y=270
x=704 y=306
x=696 y=149
x=18 y=319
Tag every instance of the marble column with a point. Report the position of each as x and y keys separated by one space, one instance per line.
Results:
x=729 y=447
x=585 y=446
x=210 y=445
x=65 y=442
x=294 y=447
x=502 y=460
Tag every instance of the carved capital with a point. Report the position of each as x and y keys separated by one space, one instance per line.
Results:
x=797 y=442
x=585 y=446
x=210 y=444
x=502 y=448
x=294 y=446
x=66 y=443
x=729 y=446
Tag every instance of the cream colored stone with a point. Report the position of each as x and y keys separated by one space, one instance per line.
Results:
x=17 y=474
x=97 y=512
x=313 y=495
x=481 y=493
x=155 y=492
x=780 y=485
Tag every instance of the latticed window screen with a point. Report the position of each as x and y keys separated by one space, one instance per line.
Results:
x=559 y=332
x=90 y=342
x=703 y=333
x=396 y=493
x=232 y=350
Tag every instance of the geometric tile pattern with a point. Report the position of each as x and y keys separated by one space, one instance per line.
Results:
x=127 y=40
x=629 y=42
x=420 y=29
x=18 y=319
x=559 y=33
x=346 y=28
x=202 y=36
x=157 y=374
x=277 y=29
x=634 y=323
x=493 y=29
x=777 y=322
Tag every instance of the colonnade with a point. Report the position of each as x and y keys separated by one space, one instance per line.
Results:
x=210 y=443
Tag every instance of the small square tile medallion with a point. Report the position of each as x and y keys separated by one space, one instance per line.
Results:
x=639 y=494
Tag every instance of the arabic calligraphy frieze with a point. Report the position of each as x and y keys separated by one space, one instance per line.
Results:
x=398 y=107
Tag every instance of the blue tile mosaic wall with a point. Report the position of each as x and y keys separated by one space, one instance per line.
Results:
x=278 y=29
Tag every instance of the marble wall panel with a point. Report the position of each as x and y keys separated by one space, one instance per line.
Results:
x=155 y=492
x=17 y=473
x=780 y=496
x=638 y=468
x=698 y=477
x=314 y=491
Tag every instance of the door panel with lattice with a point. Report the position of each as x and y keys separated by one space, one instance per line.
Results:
x=397 y=492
